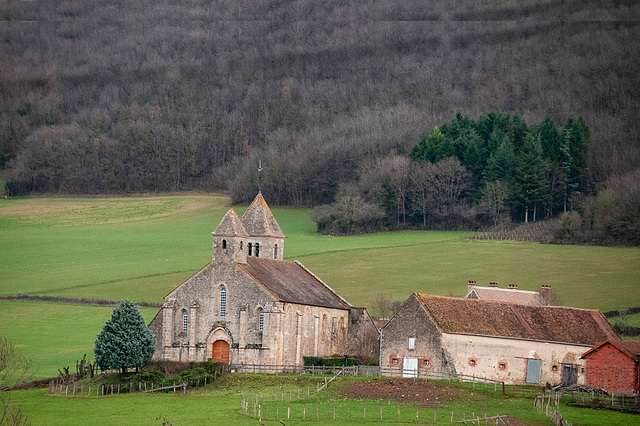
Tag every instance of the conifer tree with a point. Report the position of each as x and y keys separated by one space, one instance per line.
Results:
x=125 y=341
x=530 y=175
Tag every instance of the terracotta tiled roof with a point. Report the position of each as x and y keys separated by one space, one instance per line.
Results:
x=291 y=282
x=230 y=226
x=259 y=221
x=500 y=319
x=631 y=349
x=521 y=297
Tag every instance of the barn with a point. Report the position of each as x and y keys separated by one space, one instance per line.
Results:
x=614 y=366
x=517 y=344
x=249 y=306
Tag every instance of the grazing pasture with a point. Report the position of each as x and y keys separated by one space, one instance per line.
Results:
x=142 y=247
x=220 y=403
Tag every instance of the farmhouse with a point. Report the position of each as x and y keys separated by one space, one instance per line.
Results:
x=517 y=344
x=510 y=294
x=250 y=306
x=614 y=365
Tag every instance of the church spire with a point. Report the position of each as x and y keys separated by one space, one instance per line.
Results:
x=266 y=239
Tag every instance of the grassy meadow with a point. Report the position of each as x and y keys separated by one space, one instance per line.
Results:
x=141 y=248
x=198 y=406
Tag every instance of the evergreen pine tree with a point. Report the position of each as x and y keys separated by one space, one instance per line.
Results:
x=531 y=187
x=125 y=341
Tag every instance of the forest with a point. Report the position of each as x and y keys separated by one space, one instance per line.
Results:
x=141 y=96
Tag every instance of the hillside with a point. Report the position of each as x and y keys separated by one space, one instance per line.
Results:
x=150 y=96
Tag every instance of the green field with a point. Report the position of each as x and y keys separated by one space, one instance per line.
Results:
x=142 y=247
x=220 y=404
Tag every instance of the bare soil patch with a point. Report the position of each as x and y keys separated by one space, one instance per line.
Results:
x=422 y=393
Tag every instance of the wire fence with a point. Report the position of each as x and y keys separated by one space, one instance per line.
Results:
x=361 y=412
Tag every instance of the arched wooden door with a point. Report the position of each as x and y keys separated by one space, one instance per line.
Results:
x=220 y=352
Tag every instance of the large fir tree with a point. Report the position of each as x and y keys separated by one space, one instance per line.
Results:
x=125 y=341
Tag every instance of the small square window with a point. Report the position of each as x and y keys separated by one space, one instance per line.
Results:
x=426 y=362
x=472 y=362
x=394 y=361
x=554 y=368
x=502 y=365
x=412 y=342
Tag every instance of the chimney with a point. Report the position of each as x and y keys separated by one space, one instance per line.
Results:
x=493 y=284
x=545 y=294
x=470 y=284
x=513 y=286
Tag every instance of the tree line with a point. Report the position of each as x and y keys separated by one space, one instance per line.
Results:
x=190 y=95
x=465 y=174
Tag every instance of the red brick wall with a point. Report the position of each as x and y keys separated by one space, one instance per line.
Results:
x=610 y=369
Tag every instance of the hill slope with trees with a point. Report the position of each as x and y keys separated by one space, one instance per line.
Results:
x=154 y=96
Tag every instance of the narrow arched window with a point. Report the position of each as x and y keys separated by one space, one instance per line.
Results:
x=185 y=320
x=224 y=244
x=249 y=247
x=223 y=302
x=261 y=320
x=275 y=252
x=241 y=245
x=257 y=250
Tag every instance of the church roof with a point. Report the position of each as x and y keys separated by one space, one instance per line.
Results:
x=521 y=297
x=500 y=319
x=230 y=226
x=291 y=282
x=259 y=221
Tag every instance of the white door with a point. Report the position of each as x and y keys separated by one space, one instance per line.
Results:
x=410 y=367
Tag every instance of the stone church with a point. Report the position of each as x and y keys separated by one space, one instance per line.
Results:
x=249 y=306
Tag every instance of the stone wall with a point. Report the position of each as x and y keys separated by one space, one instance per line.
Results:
x=412 y=321
x=506 y=359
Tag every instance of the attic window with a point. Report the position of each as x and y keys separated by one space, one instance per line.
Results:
x=412 y=342
x=224 y=244
x=473 y=362
x=502 y=365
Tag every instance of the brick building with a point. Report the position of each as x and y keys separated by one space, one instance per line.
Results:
x=614 y=366
x=250 y=306
x=517 y=344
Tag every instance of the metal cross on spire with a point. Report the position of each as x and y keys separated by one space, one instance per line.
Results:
x=260 y=176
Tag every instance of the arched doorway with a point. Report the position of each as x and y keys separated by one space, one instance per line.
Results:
x=220 y=352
